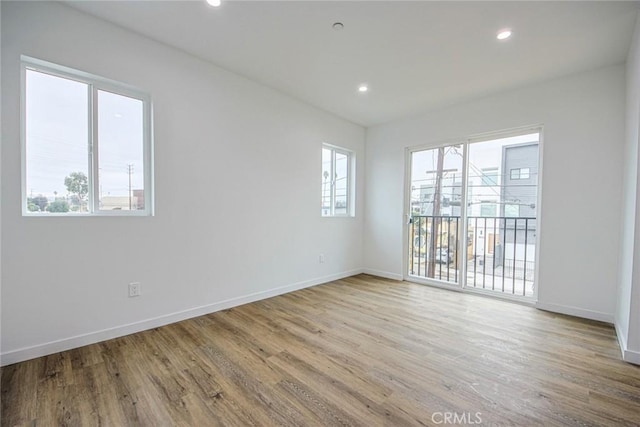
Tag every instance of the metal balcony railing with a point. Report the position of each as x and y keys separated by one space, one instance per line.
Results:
x=500 y=251
x=434 y=247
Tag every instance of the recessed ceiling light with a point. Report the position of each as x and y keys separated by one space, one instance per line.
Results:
x=363 y=88
x=337 y=26
x=214 y=3
x=503 y=34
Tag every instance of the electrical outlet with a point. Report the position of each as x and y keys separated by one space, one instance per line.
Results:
x=134 y=289
x=321 y=259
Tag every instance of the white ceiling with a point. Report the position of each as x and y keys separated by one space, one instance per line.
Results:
x=415 y=55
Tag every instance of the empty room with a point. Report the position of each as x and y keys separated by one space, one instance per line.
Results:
x=318 y=213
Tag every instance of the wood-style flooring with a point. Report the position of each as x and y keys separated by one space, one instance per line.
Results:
x=361 y=351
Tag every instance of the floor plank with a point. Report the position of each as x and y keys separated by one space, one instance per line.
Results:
x=361 y=351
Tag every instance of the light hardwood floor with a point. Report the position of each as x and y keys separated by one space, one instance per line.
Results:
x=359 y=351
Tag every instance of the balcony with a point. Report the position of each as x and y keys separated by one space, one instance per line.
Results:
x=499 y=254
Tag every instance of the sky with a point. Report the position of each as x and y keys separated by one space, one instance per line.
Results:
x=57 y=139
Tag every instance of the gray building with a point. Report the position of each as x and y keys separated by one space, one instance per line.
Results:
x=518 y=195
x=519 y=198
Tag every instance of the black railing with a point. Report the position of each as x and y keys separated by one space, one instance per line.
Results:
x=433 y=252
x=500 y=251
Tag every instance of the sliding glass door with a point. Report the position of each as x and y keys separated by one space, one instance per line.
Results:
x=473 y=214
x=435 y=213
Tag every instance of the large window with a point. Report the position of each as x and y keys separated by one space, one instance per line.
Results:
x=87 y=144
x=336 y=181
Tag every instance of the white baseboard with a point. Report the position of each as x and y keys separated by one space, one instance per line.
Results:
x=629 y=356
x=40 y=350
x=385 y=274
x=576 y=311
x=622 y=339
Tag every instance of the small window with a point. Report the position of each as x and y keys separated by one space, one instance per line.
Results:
x=336 y=181
x=490 y=177
x=87 y=144
x=511 y=210
x=488 y=209
x=520 y=173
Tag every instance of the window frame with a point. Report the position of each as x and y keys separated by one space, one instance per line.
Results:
x=521 y=174
x=94 y=84
x=332 y=193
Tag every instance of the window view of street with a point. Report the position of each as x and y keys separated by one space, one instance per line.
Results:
x=500 y=194
x=63 y=174
x=436 y=195
x=56 y=143
x=335 y=181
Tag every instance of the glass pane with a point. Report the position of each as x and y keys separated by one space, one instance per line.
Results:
x=341 y=184
x=436 y=197
x=326 y=181
x=490 y=176
x=488 y=209
x=57 y=155
x=501 y=241
x=511 y=210
x=120 y=152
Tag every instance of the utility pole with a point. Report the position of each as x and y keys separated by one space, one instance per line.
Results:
x=130 y=168
x=436 y=212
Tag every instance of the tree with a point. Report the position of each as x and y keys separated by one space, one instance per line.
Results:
x=77 y=184
x=38 y=203
x=60 y=205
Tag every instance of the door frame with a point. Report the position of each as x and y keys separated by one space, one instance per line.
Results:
x=462 y=260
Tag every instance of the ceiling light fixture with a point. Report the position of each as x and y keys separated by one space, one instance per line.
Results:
x=214 y=3
x=337 y=26
x=363 y=88
x=503 y=34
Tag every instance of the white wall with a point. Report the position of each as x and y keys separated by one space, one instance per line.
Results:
x=0 y=192
x=628 y=308
x=581 y=191
x=237 y=183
